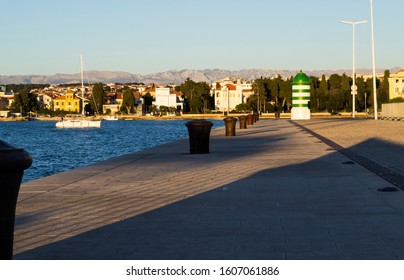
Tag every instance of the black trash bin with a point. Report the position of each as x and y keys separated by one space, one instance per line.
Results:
x=243 y=122
x=230 y=125
x=13 y=162
x=199 y=134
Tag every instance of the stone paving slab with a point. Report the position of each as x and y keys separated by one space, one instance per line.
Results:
x=272 y=192
x=380 y=141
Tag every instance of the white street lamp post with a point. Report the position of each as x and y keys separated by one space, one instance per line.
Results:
x=228 y=101
x=373 y=61
x=354 y=88
x=226 y=110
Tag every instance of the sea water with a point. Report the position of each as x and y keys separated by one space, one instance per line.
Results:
x=58 y=149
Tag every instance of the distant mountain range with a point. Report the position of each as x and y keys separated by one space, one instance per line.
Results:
x=172 y=76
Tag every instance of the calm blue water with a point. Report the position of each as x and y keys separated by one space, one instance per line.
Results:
x=54 y=150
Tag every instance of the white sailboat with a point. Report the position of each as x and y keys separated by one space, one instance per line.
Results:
x=79 y=123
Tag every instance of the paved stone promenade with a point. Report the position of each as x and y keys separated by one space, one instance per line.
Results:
x=272 y=192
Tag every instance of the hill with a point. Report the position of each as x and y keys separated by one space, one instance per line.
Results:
x=172 y=76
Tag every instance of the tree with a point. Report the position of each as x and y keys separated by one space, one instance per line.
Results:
x=188 y=90
x=243 y=108
x=274 y=87
x=362 y=95
x=334 y=93
x=128 y=101
x=261 y=89
x=320 y=101
x=383 y=96
x=148 y=100
x=369 y=90
x=285 y=93
x=252 y=101
x=196 y=95
x=24 y=102
x=396 y=100
x=345 y=97
x=153 y=109
x=98 y=97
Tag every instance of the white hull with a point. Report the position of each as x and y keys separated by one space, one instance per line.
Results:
x=110 y=118
x=78 y=124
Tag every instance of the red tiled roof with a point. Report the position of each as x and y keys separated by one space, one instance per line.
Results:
x=63 y=97
x=230 y=87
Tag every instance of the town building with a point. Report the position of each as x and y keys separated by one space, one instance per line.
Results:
x=168 y=98
x=396 y=85
x=7 y=98
x=229 y=93
x=45 y=100
x=114 y=103
x=68 y=102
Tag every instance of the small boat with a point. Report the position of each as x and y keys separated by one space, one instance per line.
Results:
x=110 y=118
x=79 y=123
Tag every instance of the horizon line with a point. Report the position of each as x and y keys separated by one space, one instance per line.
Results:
x=207 y=69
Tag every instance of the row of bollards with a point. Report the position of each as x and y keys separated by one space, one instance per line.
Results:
x=199 y=131
x=13 y=162
x=230 y=123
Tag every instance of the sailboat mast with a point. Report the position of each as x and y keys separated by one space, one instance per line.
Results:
x=82 y=84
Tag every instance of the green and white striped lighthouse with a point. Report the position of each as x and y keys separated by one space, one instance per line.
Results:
x=301 y=97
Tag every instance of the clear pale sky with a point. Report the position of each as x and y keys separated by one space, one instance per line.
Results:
x=147 y=36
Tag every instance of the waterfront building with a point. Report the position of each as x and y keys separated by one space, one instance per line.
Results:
x=114 y=103
x=111 y=109
x=6 y=97
x=45 y=100
x=396 y=85
x=229 y=93
x=67 y=102
x=166 y=97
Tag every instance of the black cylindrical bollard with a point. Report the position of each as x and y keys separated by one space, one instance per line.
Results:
x=243 y=122
x=230 y=125
x=255 y=117
x=199 y=134
x=13 y=162
x=250 y=120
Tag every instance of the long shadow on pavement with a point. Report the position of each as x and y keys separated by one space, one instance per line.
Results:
x=321 y=209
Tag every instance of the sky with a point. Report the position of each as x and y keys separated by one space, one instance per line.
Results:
x=45 y=37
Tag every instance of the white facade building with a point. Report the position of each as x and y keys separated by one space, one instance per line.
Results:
x=228 y=94
x=45 y=100
x=165 y=97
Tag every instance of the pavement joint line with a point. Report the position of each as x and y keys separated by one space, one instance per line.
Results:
x=381 y=171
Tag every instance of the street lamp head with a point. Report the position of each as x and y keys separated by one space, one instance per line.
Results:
x=353 y=22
